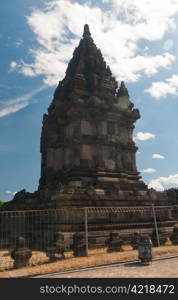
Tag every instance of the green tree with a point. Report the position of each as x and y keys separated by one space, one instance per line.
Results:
x=2 y=202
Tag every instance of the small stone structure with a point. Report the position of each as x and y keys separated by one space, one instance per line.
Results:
x=145 y=249
x=56 y=251
x=79 y=245
x=114 y=242
x=21 y=254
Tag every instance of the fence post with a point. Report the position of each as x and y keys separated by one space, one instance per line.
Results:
x=156 y=226
x=86 y=229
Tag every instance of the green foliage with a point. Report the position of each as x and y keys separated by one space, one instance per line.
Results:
x=1 y=202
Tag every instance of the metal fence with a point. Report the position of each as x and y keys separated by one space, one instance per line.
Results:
x=48 y=235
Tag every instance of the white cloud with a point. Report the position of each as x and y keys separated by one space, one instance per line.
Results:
x=158 y=156
x=131 y=68
x=13 y=65
x=9 y=109
x=10 y=192
x=151 y=24
x=149 y=170
x=162 y=183
x=124 y=24
x=144 y=136
x=10 y=106
x=163 y=88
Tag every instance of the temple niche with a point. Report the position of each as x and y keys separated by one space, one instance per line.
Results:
x=87 y=141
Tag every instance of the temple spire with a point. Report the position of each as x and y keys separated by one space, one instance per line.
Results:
x=86 y=32
x=87 y=73
x=122 y=90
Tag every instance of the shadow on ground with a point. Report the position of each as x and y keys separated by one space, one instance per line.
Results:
x=136 y=264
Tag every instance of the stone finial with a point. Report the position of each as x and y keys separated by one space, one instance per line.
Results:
x=122 y=90
x=21 y=254
x=86 y=32
x=56 y=251
x=79 y=245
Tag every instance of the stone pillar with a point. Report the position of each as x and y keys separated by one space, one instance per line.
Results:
x=56 y=251
x=79 y=245
x=21 y=254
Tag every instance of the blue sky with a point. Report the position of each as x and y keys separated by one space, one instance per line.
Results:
x=37 y=39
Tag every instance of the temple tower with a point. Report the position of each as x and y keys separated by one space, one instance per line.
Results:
x=86 y=141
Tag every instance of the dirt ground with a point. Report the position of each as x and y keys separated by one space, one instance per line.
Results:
x=95 y=258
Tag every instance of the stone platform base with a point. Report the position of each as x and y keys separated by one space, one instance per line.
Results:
x=97 y=238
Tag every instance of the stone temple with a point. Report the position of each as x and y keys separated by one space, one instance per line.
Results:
x=88 y=156
x=86 y=142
